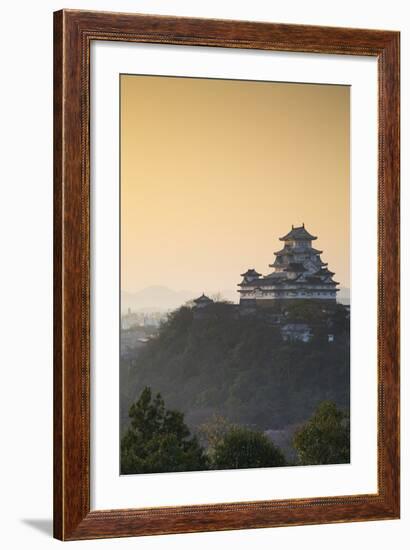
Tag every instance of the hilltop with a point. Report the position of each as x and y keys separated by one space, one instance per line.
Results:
x=240 y=367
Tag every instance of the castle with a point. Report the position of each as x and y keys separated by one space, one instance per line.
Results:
x=299 y=273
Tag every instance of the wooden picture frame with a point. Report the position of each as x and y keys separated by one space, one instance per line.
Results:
x=74 y=32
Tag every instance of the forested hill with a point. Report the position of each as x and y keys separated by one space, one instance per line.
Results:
x=239 y=367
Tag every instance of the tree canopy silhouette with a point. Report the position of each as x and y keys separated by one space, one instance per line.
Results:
x=158 y=440
x=245 y=448
x=325 y=438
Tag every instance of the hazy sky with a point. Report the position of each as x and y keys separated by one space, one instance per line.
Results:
x=213 y=172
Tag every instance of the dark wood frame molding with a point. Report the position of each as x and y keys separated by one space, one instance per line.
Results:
x=73 y=33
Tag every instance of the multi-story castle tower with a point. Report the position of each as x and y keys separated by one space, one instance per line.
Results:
x=299 y=273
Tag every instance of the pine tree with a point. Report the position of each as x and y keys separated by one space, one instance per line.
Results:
x=158 y=440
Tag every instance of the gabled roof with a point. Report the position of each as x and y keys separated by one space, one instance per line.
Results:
x=290 y=251
x=277 y=262
x=251 y=273
x=298 y=234
x=286 y=251
x=203 y=300
x=325 y=271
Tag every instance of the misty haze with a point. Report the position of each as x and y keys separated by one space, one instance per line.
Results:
x=235 y=274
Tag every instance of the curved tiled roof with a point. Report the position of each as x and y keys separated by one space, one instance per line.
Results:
x=298 y=234
x=325 y=271
x=288 y=251
x=251 y=273
x=203 y=300
x=284 y=252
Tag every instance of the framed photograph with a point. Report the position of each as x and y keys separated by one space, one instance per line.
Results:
x=226 y=275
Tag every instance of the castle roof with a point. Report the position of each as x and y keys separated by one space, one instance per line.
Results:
x=325 y=271
x=298 y=234
x=251 y=273
x=203 y=300
x=278 y=262
x=268 y=280
x=291 y=251
x=286 y=251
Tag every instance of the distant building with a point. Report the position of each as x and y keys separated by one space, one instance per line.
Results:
x=142 y=319
x=130 y=320
x=299 y=273
x=153 y=320
x=202 y=302
x=296 y=332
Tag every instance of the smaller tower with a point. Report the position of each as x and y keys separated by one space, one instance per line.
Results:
x=250 y=276
x=202 y=301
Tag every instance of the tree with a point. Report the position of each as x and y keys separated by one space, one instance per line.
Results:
x=244 y=448
x=158 y=440
x=212 y=432
x=341 y=320
x=325 y=438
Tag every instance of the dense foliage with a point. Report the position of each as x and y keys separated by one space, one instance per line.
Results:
x=158 y=440
x=244 y=448
x=239 y=367
x=325 y=438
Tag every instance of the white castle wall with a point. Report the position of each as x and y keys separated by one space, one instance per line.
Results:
x=289 y=294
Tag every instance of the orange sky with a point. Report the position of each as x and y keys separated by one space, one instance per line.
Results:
x=213 y=172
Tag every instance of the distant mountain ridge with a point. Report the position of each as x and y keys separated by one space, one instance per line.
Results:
x=158 y=298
